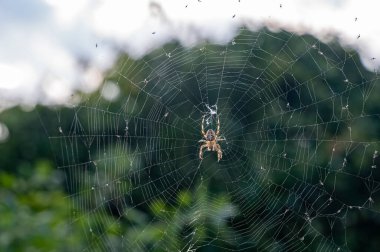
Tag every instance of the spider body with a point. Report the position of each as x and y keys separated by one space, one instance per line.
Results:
x=210 y=135
x=210 y=140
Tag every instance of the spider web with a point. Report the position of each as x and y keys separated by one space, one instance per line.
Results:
x=300 y=161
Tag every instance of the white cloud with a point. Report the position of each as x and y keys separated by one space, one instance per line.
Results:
x=48 y=48
x=14 y=75
x=110 y=91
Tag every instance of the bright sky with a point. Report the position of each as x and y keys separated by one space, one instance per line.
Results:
x=50 y=48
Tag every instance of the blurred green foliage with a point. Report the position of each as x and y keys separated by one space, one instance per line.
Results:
x=33 y=212
x=124 y=175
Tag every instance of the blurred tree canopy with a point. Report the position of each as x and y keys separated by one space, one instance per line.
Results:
x=123 y=175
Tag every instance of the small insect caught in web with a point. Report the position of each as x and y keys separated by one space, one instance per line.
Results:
x=213 y=109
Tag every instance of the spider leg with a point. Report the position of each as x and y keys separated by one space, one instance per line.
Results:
x=201 y=151
x=203 y=129
x=218 y=128
x=219 y=150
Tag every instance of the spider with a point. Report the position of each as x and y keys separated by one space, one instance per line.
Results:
x=211 y=140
